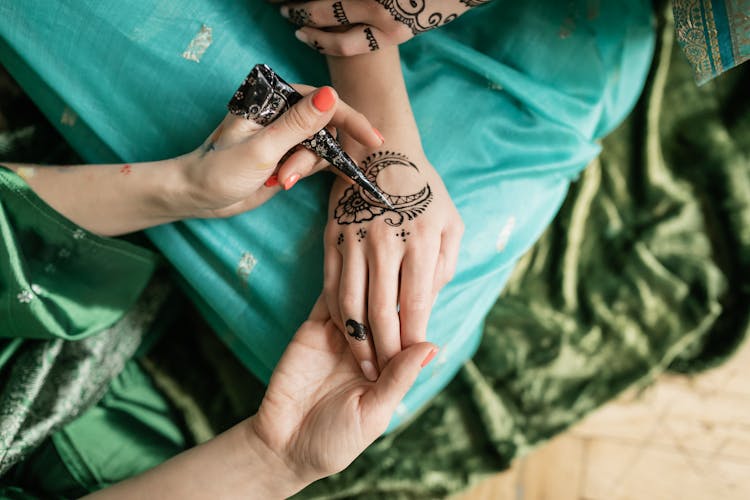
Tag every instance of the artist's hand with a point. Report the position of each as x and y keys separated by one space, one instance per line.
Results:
x=238 y=168
x=384 y=268
x=319 y=413
x=350 y=27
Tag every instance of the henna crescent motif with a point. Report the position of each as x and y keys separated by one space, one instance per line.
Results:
x=357 y=205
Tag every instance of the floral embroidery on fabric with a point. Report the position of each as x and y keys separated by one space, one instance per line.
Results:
x=246 y=265
x=64 y=253
x=25 y=296
x=79 y=234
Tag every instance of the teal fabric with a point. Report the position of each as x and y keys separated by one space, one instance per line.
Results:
x=510 y=101
x=714 y=34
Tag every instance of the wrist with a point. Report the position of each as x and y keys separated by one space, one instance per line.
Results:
x=273 y=474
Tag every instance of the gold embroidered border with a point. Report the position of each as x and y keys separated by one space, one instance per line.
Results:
x=713 y=36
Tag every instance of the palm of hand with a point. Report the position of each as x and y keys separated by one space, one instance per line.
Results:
x=313 y=407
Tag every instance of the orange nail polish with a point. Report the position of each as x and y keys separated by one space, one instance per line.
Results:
x=324 y=99
x=272 y=181
x=429 y=357
x=291 y=181
x=377 y=132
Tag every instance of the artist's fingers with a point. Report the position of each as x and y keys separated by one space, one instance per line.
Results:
x=359 y=39
x=382 y=305
x=351 y=122
x=303 y=120
x=298 y=165
x=320 y=310
x=416 y=294
x=329 y=13
x=352 y=303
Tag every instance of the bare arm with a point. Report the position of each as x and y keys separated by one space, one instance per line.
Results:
x=235 y=170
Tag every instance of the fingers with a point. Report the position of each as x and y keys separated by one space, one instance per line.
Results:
x=359 y=39
x=300 y=164
x=326 y=13
x=379 y=404
x=449 y=249
x=353 y=307
x=320 y=310
x=357 y=126
x=416 y=294
x=383 y=309
x=301 y=121
x=331 y=280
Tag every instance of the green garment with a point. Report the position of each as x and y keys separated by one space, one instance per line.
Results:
x=646 y=269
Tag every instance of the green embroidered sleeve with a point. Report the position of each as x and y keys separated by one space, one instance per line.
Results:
x=58 y=280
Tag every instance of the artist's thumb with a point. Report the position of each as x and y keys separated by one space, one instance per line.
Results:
x=380 y=402
x=303 y=120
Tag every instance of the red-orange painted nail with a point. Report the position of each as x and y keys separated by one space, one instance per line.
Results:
x=429 y=357
x=291 y=181
x=324 y=99
x=272 y=181
x=377 y=132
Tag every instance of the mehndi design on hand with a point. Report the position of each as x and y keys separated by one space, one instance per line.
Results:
x=412 y=14
x=357 y=205
x=356 y=330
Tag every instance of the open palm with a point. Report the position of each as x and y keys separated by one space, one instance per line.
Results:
x=320 y=412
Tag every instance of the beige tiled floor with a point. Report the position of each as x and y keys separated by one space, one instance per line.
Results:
x=683 y=438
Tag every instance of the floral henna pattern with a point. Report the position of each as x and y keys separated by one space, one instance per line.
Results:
x=357 y=205
x=412 y=14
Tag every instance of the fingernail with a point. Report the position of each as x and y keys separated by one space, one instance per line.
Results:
x=377 y=132
x=429 y=357
x=324 y=99
x=284 y=11
x=369 y=370
x=272 y=181
x=301 y=36
x=291 y=181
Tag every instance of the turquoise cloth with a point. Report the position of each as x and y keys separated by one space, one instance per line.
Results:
x=714 y=34
x=510 y=101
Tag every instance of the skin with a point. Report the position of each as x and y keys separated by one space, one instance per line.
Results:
x=319 y=411
x=352 y=27
x=387 y=280
x=223 y=177
x=317 y=415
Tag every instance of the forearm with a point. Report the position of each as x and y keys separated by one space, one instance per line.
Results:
x=235 y=464
x=109 y=199
x=374 y=84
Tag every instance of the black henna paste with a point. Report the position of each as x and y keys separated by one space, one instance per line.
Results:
x=317 y=46
x=371 y=42
x=474 y=3
x=358 y=205
x=361 y=234
x=357 y=330
x=412 y=13
x=339 y=14
x=340 y=239
x=300 y=16
x=402 y=234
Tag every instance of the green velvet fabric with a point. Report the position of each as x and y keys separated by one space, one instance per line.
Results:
x=646 y=269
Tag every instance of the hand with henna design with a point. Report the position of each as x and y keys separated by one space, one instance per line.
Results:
x=350 y=27
x=380 y=288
